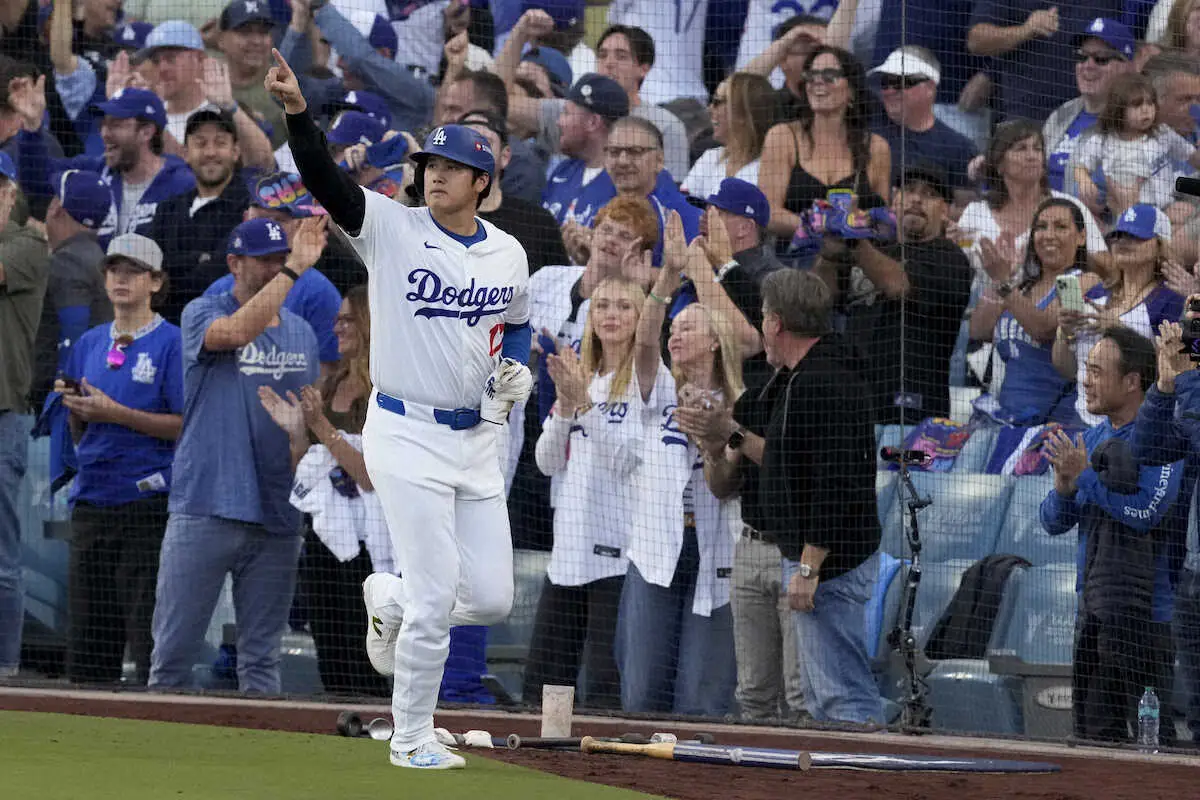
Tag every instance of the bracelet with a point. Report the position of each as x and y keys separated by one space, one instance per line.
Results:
x=291 y=273
x=656 y=298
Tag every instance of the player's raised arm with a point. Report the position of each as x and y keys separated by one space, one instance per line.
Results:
x=341 y=196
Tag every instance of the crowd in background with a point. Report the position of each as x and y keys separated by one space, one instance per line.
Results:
x=754 y=232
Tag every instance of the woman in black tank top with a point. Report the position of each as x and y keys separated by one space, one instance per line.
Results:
x=828 y=147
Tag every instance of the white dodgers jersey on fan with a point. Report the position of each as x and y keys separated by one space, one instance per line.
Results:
x=438 y=307
x=677 y=28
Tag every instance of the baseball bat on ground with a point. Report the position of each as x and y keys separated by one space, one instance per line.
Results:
x=704 y=753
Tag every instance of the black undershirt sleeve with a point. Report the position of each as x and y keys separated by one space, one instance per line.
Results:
x=331 y=186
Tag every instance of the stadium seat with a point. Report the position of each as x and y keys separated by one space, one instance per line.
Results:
x=976 y=451
x=967 y=697
x=885 y=492
x=1034 y=641
x=963 y=522
x=1022 y=533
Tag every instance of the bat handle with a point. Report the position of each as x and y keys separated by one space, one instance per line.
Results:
x=514 y=742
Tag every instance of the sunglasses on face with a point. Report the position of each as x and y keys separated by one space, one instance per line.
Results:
x=1100 y=59
x=824 y=75
x=116 y=354
x=901 y=82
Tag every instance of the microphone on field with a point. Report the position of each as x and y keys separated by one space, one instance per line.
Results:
x=1188 y=186
x=911 y=458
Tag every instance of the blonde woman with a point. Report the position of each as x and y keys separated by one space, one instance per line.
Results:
x=743 y=109
x=593 y=440
x=675 y=644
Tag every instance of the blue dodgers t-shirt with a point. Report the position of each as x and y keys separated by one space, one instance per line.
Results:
x=232 y=460
x=314 y=299
x=1062 y=150
x=119 y=465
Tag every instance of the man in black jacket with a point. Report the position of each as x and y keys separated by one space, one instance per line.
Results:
x=816 y=490
x=193 y=228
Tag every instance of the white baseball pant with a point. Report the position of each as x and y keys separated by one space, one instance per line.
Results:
x=442 y=493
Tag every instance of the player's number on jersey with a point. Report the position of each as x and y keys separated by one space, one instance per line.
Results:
x=685 y=14
x=495 y=339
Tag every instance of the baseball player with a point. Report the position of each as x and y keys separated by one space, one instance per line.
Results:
x=450 y=337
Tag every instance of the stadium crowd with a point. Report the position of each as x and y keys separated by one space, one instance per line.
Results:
x=755 y=231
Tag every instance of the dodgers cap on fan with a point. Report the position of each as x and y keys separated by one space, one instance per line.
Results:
x=382 y=34
x=258 y=237
x=132 y=103
x=458 y=143
x=175 y=34
x=84 y=196
x=132 y=35
x=369 y=103
x=556 y=66
x=141 y=250
x=1143 y=221
x=742 y=198
x=355 y=127
x=600 y=95
x=7 y=168
x=1113 y=33
x=243 y=12
x=565 y=13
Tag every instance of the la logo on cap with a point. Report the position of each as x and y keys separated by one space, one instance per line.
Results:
x=130 y=34
x=237 y=242
x=251 y=6
x=586 y=90
x=749 y=210
x=1098 y=26
x=439 y=136
x=1131 y=215
x=352 y=98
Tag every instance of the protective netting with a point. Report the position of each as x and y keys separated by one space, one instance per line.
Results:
x=803 y=277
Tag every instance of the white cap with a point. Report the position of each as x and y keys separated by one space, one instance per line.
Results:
x=907 y=62
x=138 y=248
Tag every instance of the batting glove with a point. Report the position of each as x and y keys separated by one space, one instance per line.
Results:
x=510 y=383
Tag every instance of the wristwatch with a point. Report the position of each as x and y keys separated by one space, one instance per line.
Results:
x=1004 y=289
x=806 y=571
x=736 y=439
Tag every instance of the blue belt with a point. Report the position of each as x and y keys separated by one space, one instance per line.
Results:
x=458 y=419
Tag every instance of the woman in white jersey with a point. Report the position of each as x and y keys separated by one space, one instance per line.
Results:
x=592 y=440
x=675 y=643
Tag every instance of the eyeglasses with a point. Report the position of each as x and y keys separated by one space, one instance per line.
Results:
x=116 y=355
x=901 y=82
x=1100 y=59
x=823 y=75
x=633 y=152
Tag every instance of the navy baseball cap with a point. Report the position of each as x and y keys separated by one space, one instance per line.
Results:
x=556 y=66
x=458 y=143
x=355 y=127
x=7 y=168
x=132 y=35
x=369 y=103
x=1114 y=34
x=600 y=95
x=382 y=34
x=1142 y=221
x=742 y=198
x=565 y=13
x=210 y=115
x=84 y=196
x=258 y=237
x=134 y=103
x=174 y=34
x=243 y=12
x=930 y=173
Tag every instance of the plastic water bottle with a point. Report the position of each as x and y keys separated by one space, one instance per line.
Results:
x=1148 y=721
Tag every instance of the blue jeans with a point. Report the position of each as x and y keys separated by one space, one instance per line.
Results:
x=1187 y=642
x=672 y=660
x=14 y=454
x=835 y=671
x=197 y=552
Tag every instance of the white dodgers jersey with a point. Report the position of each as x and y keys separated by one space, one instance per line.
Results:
x=438 y=307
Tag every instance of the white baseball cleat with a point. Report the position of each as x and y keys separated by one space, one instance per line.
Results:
x=431 y=755
x=381 y=636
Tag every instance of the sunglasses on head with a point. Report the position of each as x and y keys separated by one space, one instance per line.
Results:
x=116 y=354
x=901 y=82
x=1100 y=59
x=824 y=75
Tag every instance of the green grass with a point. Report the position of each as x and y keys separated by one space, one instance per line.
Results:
x=64 y=757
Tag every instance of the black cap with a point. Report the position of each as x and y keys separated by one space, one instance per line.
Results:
x=488 y=119
x=206 y=115
x=931 y=174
